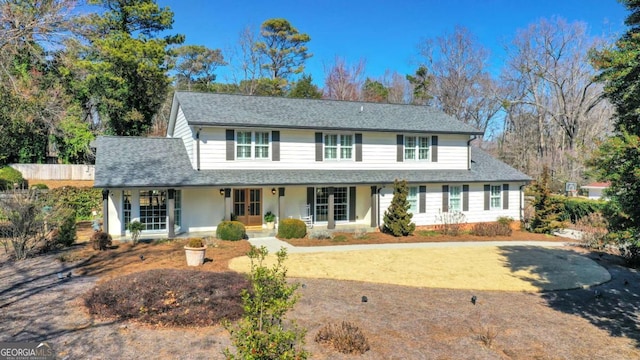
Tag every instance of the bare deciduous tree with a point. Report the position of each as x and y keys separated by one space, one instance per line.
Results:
x=455 y=67
x=344 y=81
x=550 y=82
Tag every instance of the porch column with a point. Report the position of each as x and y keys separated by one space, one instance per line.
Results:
x=374 y=206
x=280 y=203
x=105 y=210
x=171 y=226
x=227 y=204
x=331 y=222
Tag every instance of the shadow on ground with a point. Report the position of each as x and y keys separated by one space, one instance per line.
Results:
x=612 y=305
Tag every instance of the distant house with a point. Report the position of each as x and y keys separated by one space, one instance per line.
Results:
x=596 y=190
x=332 y=163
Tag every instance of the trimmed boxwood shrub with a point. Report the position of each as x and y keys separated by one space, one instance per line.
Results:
x=10 y=176
x=292 y=229
x=231 y=230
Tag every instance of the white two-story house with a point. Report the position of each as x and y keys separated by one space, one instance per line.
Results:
x=331 y=162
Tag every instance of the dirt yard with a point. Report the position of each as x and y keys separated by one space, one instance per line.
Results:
x=401 y=322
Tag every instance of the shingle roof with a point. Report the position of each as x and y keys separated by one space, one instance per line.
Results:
x=207 y=109
x=163 y=162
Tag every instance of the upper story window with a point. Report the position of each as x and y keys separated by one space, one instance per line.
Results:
x=416 y=148
x=252 y=144
x=495 y=197
x=338 y=146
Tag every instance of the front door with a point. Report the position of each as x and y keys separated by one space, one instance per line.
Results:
x=247 y=206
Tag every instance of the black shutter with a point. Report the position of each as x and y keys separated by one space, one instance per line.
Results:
x=465 y=197
x=230 y=144
x=275 y=145
x=434 y=149
x=352 y=203
x=400 y=148
x=487 y=194
x=318 y=146
x=445 y=198
x=311 y=199
x=422 y=207
x=358 y=147
x=505 y=196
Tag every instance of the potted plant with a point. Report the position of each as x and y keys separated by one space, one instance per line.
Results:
x=270 y=219
x=195 y=250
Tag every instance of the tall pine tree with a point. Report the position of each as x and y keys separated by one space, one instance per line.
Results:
x=618 y=159
x=120 y=73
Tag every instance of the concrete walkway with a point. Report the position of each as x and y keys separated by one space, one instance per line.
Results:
x=273 y=244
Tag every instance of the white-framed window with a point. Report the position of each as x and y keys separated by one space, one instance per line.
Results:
x=340 y=204
x=338 y=146
x=455 y=198
x=495 y=198
x=153 y=209
x=412 y=198
x=126 y=208
x=416 y=148
x=252 y=144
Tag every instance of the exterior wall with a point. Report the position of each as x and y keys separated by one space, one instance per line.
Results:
x=297 y=151
x=204 y=208
x=596 y=193
x=115 y=213
x=183 y=131
x=476 y=213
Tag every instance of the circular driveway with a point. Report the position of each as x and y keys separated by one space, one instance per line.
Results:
x=478 y=266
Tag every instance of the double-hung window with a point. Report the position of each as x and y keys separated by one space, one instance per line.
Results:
x=252 y=145
x=416 y=148
x=340 y=204
x=495 y=197
x=338 y=146
x=455 y=198
x=412 y=198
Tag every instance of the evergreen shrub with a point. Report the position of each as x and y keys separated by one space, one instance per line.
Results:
x=231 y=230
x=292 y=229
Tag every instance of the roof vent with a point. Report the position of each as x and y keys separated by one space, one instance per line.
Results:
x=361 y=108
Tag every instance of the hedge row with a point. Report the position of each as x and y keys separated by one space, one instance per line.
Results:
x=573 y=208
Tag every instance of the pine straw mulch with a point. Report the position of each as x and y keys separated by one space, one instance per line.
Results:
x=400 y=322
x=420 y=235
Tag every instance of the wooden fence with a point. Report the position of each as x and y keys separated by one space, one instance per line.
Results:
x=55 y=171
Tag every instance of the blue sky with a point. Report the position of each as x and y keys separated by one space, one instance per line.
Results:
x=385 y=33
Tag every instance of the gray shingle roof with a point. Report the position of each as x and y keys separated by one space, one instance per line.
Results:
x=279 y=112
x=163 y=162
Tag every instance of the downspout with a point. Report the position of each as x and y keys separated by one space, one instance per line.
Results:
x=522 y=203
x=469 y=151
x=378 y=208
x=198 y=149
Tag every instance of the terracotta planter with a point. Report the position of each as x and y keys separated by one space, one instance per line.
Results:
x=195 y=256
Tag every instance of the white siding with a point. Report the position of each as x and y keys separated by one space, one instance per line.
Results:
x=183 y=131
x=298 y=149
x=476 y=211
x=202 y=209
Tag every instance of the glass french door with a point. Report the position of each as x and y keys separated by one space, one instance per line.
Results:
x=247 y=206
